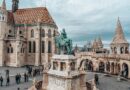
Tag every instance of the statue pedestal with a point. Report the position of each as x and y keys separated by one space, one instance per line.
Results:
x=64 y=74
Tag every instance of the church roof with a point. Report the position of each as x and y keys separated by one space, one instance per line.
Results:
x=33 y=15
x=119 y=35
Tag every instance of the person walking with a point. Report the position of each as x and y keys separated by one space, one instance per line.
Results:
x=1 y=81
x=96 y=79
x=25 y=77
x=7 y=81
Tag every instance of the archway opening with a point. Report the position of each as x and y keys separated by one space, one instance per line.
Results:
x=101 y=67
x=108 y=66
x=112 y=68
x=125 y=70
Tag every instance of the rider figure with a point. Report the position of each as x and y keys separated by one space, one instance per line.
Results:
x=63 y=33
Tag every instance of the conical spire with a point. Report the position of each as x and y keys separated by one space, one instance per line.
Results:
x=99 y=41
x=3 y=5
x=119 y=35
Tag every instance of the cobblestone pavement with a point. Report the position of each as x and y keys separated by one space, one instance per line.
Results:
x=110 y=82
x=106 y=83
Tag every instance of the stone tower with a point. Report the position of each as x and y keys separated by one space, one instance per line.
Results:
x=3 y=25
x=15 y=5
x=119 y=44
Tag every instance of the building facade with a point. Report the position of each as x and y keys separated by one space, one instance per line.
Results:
x=26 y=35
x=115 y=61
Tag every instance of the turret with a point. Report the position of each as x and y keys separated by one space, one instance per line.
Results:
x=15 y=5
x=3 y=19
x=119 y=44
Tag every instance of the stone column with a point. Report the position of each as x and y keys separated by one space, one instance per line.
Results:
x=46 y=49
x=2 y=59
x=37 y=46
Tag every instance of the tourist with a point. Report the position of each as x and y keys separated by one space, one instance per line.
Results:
x=18 y=88
x=96 y=79
x=19 y=78
x=1 y=81
x=7 y=81
x=25 y=78
x=16 y=79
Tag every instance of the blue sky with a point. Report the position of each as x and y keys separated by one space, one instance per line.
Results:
x=85 y=20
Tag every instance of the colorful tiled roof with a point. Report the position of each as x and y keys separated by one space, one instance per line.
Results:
x=32 y=16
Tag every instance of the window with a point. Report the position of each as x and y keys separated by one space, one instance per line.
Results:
x=10 y=31
x=11 y=49
x=34 y=47
x=49 y=33
x=43 y=33
x=3 y=18
x=43 y=47
x=20 y=32
x=29 y=46
x=49 y=47
x=8 y=50
x=32 y=33
x=54 y=33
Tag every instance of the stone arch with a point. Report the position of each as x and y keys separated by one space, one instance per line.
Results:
x=121 y=50
x=115 y=50
x=112 y=68
x=49 y=33
x=126 y=50
x=32 y=33
x=118 y=68
x=82 y=65
x=90 y=65
x=101 y=66
x=42 y=33
x=125 y=70
x=108 y=66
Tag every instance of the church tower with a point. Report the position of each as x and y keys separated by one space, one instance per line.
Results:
x=3 y=19
x=3 y=26
x=15 y=5
x=119 y=44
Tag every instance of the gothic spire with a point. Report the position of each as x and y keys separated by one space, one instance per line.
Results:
x=3 y=5
x=119 y=34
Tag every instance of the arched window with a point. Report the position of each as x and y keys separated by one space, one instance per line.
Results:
x=11 y=49
x=121 y=50
x=29 y=46
x=34 y=47
x=43 y=33
x=54 y=33
x=49 y=47
x=8 y=51
x=32 y=33
x=49 y=33
x=43 y=47
x=115 y=50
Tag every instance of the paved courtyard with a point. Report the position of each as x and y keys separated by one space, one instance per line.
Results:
x=106 y=82
x=13 y=85
x=110 y=82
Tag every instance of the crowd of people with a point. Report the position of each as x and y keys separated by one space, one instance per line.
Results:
x=31 y=72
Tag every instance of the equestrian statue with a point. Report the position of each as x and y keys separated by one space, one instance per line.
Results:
x=63 y=43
